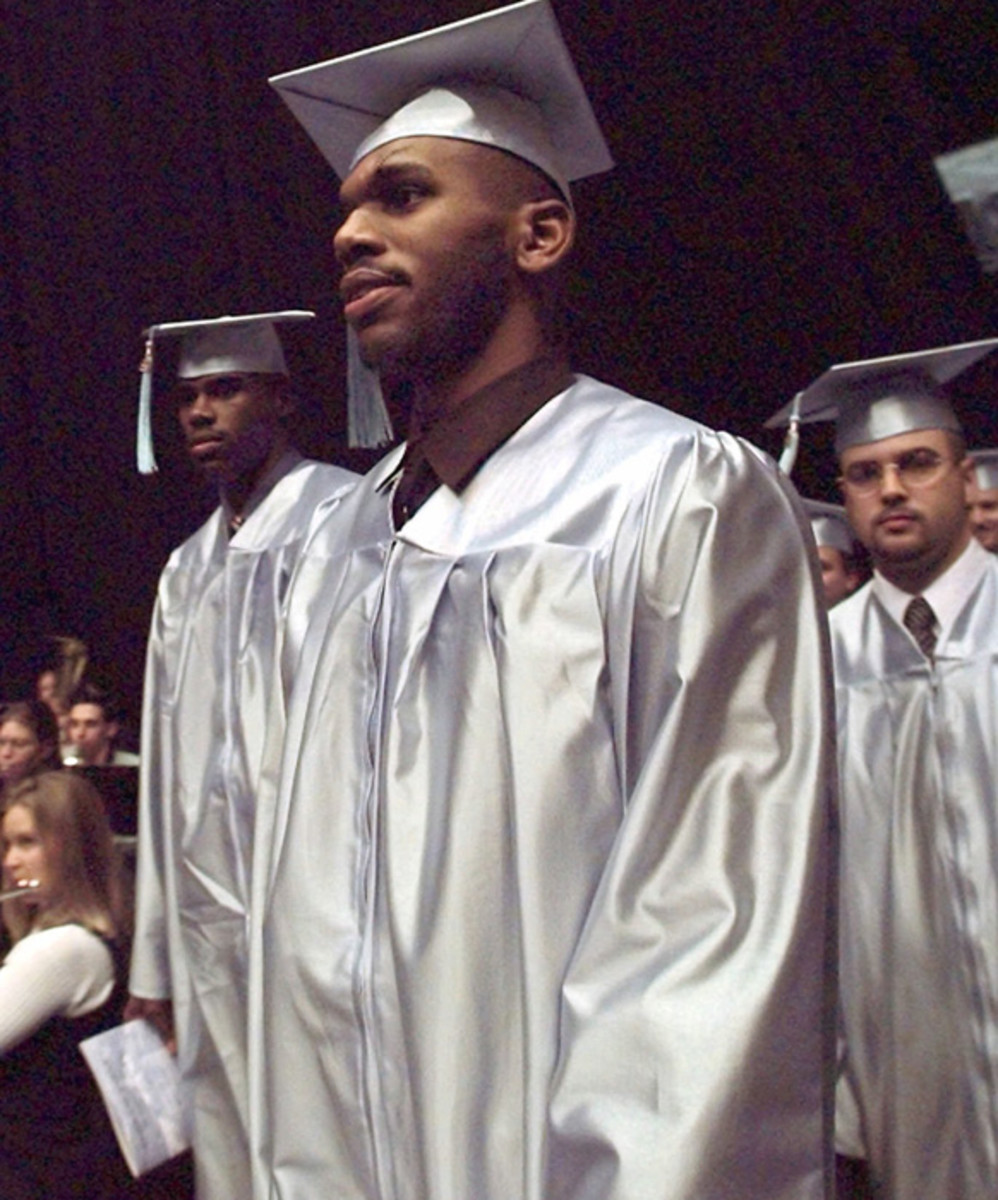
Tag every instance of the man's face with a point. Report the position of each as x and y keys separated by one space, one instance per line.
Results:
x=913 y=532
x=425 y=252
x=91 y=733
x=230 y=422
x=837 y=577
x=45 y=688
x=984 y=515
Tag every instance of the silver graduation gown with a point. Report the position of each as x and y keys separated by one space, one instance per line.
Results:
x=919 y=897
x=207 y=686
x=546 y=900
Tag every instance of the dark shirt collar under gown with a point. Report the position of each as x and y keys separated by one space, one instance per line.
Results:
x=451 y=447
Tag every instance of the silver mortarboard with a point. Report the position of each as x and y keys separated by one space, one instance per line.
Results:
x=217 y=346
x=502 y=78
x=881 y=397
x=830 y=526
x=985 y=468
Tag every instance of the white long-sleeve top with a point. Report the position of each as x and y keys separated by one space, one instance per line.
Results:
x=66 y=971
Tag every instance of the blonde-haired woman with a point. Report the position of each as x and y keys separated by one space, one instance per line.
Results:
x=60 y=983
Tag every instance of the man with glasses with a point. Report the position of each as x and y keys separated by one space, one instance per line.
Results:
x=916 y=665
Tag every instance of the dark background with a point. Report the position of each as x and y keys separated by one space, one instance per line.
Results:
x=774 y=210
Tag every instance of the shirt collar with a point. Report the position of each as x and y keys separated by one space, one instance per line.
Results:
x=233 y=522
x=456 y=444
x=946 y=595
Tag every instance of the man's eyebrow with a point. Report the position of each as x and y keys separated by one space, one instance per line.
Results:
x=392 y=167
x=385 y=175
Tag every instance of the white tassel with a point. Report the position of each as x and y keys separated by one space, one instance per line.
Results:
x=791 y=443
x=146 y=459
x=368 y=422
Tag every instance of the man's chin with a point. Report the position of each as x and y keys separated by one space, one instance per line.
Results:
x=377 y=347
x=208 y=461
x=897 y=551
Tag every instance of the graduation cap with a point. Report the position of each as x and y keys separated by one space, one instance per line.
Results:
x=830 y=526
x=881 y=397
x=985 y=469
x=218 y=346
x=503 y=79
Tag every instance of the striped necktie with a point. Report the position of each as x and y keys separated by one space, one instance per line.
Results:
x=920 y=621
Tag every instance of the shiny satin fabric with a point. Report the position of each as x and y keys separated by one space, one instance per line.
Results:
x=207 y=686
x=546 y=900
x=919 y=897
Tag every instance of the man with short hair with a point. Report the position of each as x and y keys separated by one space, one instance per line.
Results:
x=207 y=687
x=983 y=498
x=545 y=907
x=94 y=724
x=916 y=675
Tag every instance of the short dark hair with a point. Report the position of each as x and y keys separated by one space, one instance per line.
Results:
x=89 y=692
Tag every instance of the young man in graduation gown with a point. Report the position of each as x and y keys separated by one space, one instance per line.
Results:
x=840 y=573
x=916 y=675
x=209 y=677
x=546 y=902
x=983 y=496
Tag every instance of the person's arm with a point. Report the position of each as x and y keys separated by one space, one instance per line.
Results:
x=697 y=1039
x=150 y=966
x=65 y=971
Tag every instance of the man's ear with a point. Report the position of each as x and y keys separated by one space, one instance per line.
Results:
x=285 y=401
x=967 y=470
x=544 y=231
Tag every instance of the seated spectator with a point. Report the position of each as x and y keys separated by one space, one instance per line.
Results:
x=59 y=984
x=47 y=689
x=29 y=743
x=94 y=724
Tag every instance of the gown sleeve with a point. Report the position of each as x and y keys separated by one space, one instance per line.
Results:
x=150 y=965
x=697 y=1026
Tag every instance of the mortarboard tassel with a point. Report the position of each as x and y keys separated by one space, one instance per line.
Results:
x=368 y=422
x=791 y=443
x=146 y=459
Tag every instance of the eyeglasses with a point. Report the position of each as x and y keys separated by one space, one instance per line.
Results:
x=915 y=469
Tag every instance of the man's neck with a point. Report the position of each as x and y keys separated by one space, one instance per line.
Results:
x=433 y=395
x=235 y=493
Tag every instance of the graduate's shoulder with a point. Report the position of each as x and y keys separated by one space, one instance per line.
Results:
x=645 y=439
